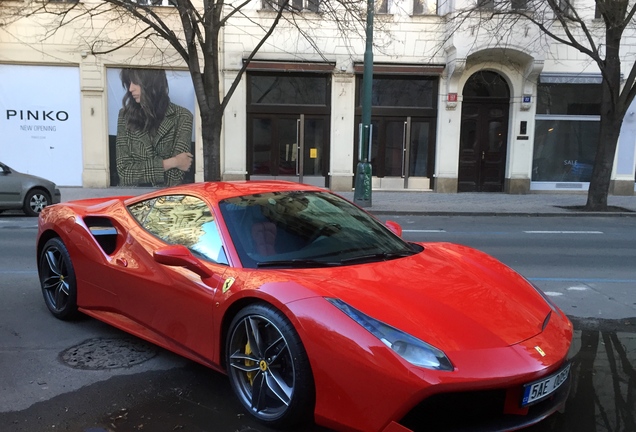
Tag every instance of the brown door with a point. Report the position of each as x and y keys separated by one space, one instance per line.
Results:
x=483 y=145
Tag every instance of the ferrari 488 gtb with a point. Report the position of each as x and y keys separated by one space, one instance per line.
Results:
x=314 y=309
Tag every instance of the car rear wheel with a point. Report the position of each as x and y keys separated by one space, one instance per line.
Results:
x=57 y=279
x=268 y=367
x=35 y=201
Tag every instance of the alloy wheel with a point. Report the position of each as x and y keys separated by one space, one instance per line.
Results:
x=262 y=367
x=268 y=367
x=37 y=202
x=57 y=279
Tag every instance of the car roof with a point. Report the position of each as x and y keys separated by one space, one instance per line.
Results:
x=218 y=191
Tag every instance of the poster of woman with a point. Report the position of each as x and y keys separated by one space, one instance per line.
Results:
x=151 y=137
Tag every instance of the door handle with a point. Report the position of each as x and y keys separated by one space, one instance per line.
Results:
x=483 y=155
x=404 y=132
x=122 y=262
x=297 y=147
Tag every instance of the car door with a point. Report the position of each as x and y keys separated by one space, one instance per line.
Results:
x=174 y=303
x=10 y=188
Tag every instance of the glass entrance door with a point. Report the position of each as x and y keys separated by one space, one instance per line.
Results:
x=400 y=149
x=289 y=148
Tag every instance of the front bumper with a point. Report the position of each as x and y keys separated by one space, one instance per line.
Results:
x=361 y=385
x=479 y=411
x=57 y=196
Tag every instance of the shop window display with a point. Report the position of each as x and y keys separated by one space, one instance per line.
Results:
x=566 y=132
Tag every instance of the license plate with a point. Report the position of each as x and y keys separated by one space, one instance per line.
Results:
x=543 y=388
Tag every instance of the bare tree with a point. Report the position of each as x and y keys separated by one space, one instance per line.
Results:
x=573 y=24
x=187 y=32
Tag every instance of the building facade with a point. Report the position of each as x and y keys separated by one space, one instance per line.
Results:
x=454 y=108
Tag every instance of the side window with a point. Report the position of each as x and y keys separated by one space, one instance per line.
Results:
x=184 y=220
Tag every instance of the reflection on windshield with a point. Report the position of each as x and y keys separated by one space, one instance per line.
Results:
x=306 y=229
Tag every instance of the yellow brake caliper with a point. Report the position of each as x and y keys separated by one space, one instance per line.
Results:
x=250 y=375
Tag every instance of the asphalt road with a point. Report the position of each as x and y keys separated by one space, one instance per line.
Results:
x=586 y=265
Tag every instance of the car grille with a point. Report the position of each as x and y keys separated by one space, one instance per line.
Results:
x=477 y=411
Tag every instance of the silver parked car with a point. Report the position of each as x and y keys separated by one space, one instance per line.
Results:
x=26 y=192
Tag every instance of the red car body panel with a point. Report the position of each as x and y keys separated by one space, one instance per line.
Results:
x=484 y=316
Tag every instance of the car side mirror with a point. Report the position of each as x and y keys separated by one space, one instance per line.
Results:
x=394 y=227
x=180 y=256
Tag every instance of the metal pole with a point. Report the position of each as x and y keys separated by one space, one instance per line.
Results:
x=362 y=193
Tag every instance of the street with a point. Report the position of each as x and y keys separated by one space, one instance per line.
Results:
x=584 y=264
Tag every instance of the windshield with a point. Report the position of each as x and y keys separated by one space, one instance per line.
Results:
x=307 y=229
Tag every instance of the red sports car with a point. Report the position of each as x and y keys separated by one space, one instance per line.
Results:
x=314 y=309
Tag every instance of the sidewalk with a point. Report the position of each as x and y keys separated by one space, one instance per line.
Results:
x=431 y=203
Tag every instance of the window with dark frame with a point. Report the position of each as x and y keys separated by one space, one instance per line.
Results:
x=425 y=7
x=519 y=4
x=153 y=2
x=566 y=131
x=401 y=91
x=292 y=5
x=486 y=4
x=287 y=89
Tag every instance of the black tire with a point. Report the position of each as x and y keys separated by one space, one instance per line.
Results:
x=35 y=201
x=274 y=382
x=57 y=279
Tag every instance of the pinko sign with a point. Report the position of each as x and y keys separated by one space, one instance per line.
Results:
x=40 y=120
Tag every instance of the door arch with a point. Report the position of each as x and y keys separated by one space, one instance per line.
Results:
x=484 y=133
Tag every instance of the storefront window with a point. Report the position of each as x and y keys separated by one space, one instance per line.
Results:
x=569 y=99
x=405 y=92
x=288 y=89
x=564 y=150
x=566 y=131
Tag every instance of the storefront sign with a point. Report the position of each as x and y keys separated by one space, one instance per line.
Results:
x=40 y=121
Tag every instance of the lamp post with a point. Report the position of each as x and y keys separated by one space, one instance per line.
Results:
x=362 y=193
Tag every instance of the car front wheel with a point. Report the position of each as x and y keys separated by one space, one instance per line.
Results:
x=268 y=367
x=57 y=279
x=35 y=201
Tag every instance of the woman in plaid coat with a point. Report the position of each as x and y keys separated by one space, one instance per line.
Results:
x=154 y=135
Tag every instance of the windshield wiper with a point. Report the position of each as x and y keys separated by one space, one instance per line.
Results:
x=297 y=263
x=384 y=256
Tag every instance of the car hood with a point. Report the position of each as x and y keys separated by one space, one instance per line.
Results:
x=451 y=296
x=33 y=178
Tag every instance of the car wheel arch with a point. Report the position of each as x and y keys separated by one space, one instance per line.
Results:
x=43 y=238
x=241 y=304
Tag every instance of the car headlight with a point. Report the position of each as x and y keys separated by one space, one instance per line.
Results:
x=410 y=348
x=547 y=299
